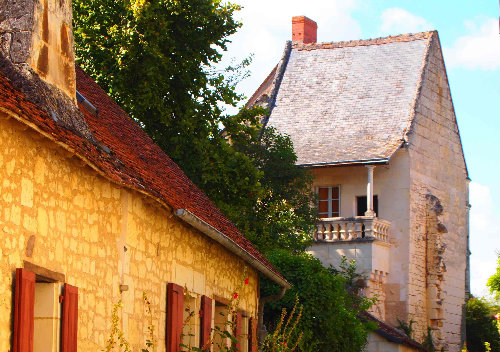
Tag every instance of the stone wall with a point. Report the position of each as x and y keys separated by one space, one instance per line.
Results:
x=59 y=214
x=438 y=200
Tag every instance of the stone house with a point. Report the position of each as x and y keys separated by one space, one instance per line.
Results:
x=93 y=212
x=373 y=120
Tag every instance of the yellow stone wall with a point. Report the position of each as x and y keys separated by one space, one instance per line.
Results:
x=100 y=235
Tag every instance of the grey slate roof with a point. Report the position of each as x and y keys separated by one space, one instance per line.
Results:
x=349 y=101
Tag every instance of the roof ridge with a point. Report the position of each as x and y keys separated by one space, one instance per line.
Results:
x=407 y=37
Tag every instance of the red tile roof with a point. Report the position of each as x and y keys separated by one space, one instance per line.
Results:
x=135 y=160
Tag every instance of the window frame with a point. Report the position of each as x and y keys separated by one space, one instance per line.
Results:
x=329 y=200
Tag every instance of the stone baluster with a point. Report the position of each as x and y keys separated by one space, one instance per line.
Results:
x=358 y=229
x=328 y=231
x=319 y=233
x=343 y=231
x=335 y=232
x=369 y=229
x=350 y=230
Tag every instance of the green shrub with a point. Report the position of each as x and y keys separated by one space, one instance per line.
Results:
x=481 y=325
x=330 y=302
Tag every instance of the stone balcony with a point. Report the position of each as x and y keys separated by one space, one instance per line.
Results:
x=353 y=228
x=364 y=239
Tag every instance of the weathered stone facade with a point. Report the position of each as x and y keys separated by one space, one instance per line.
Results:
x=439 y=209
x=58 y=213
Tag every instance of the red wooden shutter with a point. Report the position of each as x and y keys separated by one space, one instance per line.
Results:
x=69 y=319
x=206 y=322
x=175 y=316
x=237 y=333
x=24 y=311
x=252 y=337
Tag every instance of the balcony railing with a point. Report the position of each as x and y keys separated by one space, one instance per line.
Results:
x=347 y=229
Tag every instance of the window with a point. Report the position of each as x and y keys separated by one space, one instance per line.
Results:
x=47 y=316
x=41 y=323
x=191 y=328
x=361 y=205
x=329 y=202
x=220 y=318
x=197 y=330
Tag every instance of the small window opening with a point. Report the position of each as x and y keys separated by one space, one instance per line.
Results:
x=47 y=316
x=361 y=205
x=191 y=330
x=220 y=319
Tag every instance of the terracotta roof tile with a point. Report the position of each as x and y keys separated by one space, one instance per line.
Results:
x=134 y=159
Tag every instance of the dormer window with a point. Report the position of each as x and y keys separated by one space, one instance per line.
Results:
x=329 y=202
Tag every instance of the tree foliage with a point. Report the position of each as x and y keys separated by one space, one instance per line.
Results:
x=481 y=325
x=494 y=281
x=331 y=305
x=283 y=215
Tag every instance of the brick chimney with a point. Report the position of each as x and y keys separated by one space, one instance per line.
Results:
x=304 y=30
x=38 y=34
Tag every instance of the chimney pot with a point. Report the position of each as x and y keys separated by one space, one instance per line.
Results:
x=304 y=30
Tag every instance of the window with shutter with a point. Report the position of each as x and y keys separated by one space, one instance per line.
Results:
x=220 y=318
x=37 y=312
x=24 y=316
x=206 y=322
x=175 y=313
x=69 y=319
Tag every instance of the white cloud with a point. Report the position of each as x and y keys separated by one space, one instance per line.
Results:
x=396 y=20
x=479 y=49
x=267 y=25
x=484 y=237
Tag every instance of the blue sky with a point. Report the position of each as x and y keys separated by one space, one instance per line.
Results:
x=469 y=34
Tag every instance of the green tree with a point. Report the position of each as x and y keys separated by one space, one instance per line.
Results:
x=481 y=325
x=284 y=214
x=330 y=302
x=494 y=281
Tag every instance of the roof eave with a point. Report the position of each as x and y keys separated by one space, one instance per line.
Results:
x=230 y=245
x=347 y=163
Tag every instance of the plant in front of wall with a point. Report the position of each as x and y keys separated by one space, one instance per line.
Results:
x=117 y=341
x=150 y=340
x=429 y=341
x=281 y=340
x=222 y=337
x=407 y=328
